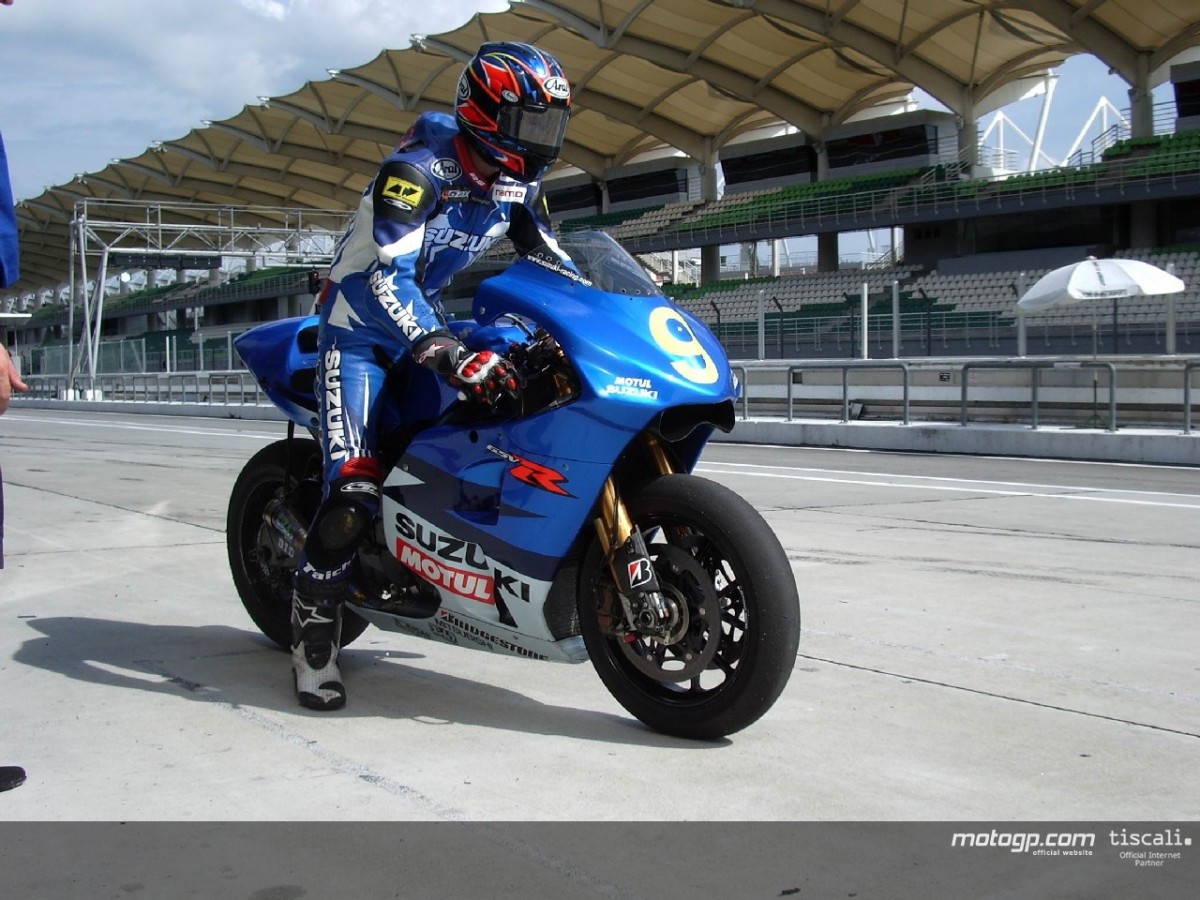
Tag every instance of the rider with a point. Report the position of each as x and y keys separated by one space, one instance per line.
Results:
x=451 y=188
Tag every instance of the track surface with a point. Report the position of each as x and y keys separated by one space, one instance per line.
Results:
x=983 y=639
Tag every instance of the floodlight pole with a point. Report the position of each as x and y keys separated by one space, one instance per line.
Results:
x=864 y=345
x=762 y=325
x=1116 y=340
x=1022 y=335
x=895 y=319
x=1170 y=323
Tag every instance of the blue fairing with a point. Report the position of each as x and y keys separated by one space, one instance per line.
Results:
x=282 y=356
x=524 y=488
x=639 y=354
x=635 y=355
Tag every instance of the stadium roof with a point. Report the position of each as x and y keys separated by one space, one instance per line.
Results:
x=646 y=74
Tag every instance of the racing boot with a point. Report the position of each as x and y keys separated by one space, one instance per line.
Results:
x=316 y=634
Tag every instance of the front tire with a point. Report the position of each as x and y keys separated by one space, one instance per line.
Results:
x=716 y=558
x=264 y=572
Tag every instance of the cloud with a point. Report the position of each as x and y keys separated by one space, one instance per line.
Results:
x=86 y=82
x=271 y=9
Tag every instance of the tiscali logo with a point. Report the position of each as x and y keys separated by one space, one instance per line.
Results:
x=558 y=87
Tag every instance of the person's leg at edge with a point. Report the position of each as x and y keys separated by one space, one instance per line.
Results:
x=10 y=776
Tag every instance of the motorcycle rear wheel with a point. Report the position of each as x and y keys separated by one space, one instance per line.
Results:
x=731 y=663
x=263 y=572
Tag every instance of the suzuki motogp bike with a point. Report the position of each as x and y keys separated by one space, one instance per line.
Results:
x=566 y=528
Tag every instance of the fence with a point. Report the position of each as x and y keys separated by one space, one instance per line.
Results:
x=1162 y=385
x=220 y=388
x=1158 y=389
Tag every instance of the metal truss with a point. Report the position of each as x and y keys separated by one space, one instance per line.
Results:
x=121 y=234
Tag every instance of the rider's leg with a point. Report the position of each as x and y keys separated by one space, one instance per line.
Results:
x=324 y=581
x=348 y=384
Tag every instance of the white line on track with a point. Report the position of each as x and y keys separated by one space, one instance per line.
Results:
x=958 y=485
x=837 y=476
x=125 y=426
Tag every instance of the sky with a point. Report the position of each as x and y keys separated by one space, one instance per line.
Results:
x=85 y=81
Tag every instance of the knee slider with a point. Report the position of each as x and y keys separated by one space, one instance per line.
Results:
x=346 y=514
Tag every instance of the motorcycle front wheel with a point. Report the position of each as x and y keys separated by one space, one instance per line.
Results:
x=263 y=567
x=733 y=644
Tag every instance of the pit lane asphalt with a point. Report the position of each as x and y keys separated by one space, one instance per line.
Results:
x=994 y=639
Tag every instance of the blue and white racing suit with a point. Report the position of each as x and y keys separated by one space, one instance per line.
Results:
x=426 y=216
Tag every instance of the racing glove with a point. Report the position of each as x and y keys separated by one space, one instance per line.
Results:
x=484 y=377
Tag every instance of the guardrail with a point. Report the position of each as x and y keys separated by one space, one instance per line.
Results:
x=846 y=366
x=1036 y=367
x=220 y=388
x=759 y=382
x=1187 y=395
x=756 y=379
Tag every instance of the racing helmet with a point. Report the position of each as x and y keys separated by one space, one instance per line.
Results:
x=513 y=105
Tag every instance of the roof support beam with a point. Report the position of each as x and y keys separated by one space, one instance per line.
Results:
x=398 y=99
x=665 y=130
x=1089 y=33
x=936 y=81
x=735 y=83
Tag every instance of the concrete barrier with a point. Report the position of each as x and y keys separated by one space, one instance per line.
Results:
x=1134 y=445
x=1127 y=444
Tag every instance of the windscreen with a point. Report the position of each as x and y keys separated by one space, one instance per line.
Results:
x=606 y=264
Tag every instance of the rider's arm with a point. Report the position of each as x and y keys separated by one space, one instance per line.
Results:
x=529 y=228
x=403 y=199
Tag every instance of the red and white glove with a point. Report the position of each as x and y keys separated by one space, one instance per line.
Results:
x=484 y=377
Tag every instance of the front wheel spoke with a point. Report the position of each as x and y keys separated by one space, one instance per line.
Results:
x=720 y=662
x=733 y=619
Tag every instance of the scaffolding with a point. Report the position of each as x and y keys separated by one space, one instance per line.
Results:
x=180 y=236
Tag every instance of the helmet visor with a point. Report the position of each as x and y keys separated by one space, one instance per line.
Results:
x=538 y=130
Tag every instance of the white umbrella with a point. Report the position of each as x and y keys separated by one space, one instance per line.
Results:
x=1099 y=279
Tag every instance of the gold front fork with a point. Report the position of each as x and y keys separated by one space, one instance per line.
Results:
x=614 y=525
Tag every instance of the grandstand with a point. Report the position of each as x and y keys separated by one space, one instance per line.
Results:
x=855 y=155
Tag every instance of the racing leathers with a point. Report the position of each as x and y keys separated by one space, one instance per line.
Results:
x=426 y=216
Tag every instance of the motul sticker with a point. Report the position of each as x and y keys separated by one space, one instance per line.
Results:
x=460 y=582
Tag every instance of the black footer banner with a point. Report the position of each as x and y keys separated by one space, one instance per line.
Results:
x=566 y=860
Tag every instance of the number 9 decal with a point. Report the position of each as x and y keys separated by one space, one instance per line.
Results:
x=672 y=333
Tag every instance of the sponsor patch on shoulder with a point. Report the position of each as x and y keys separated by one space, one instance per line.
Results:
x=402 y=193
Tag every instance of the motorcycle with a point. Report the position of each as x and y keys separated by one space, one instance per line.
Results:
x=565 y=529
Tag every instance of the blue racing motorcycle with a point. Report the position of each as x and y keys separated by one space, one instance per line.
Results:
x=564 y=529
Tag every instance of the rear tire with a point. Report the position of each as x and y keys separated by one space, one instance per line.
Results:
x=715 y=556
x=263 y=572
